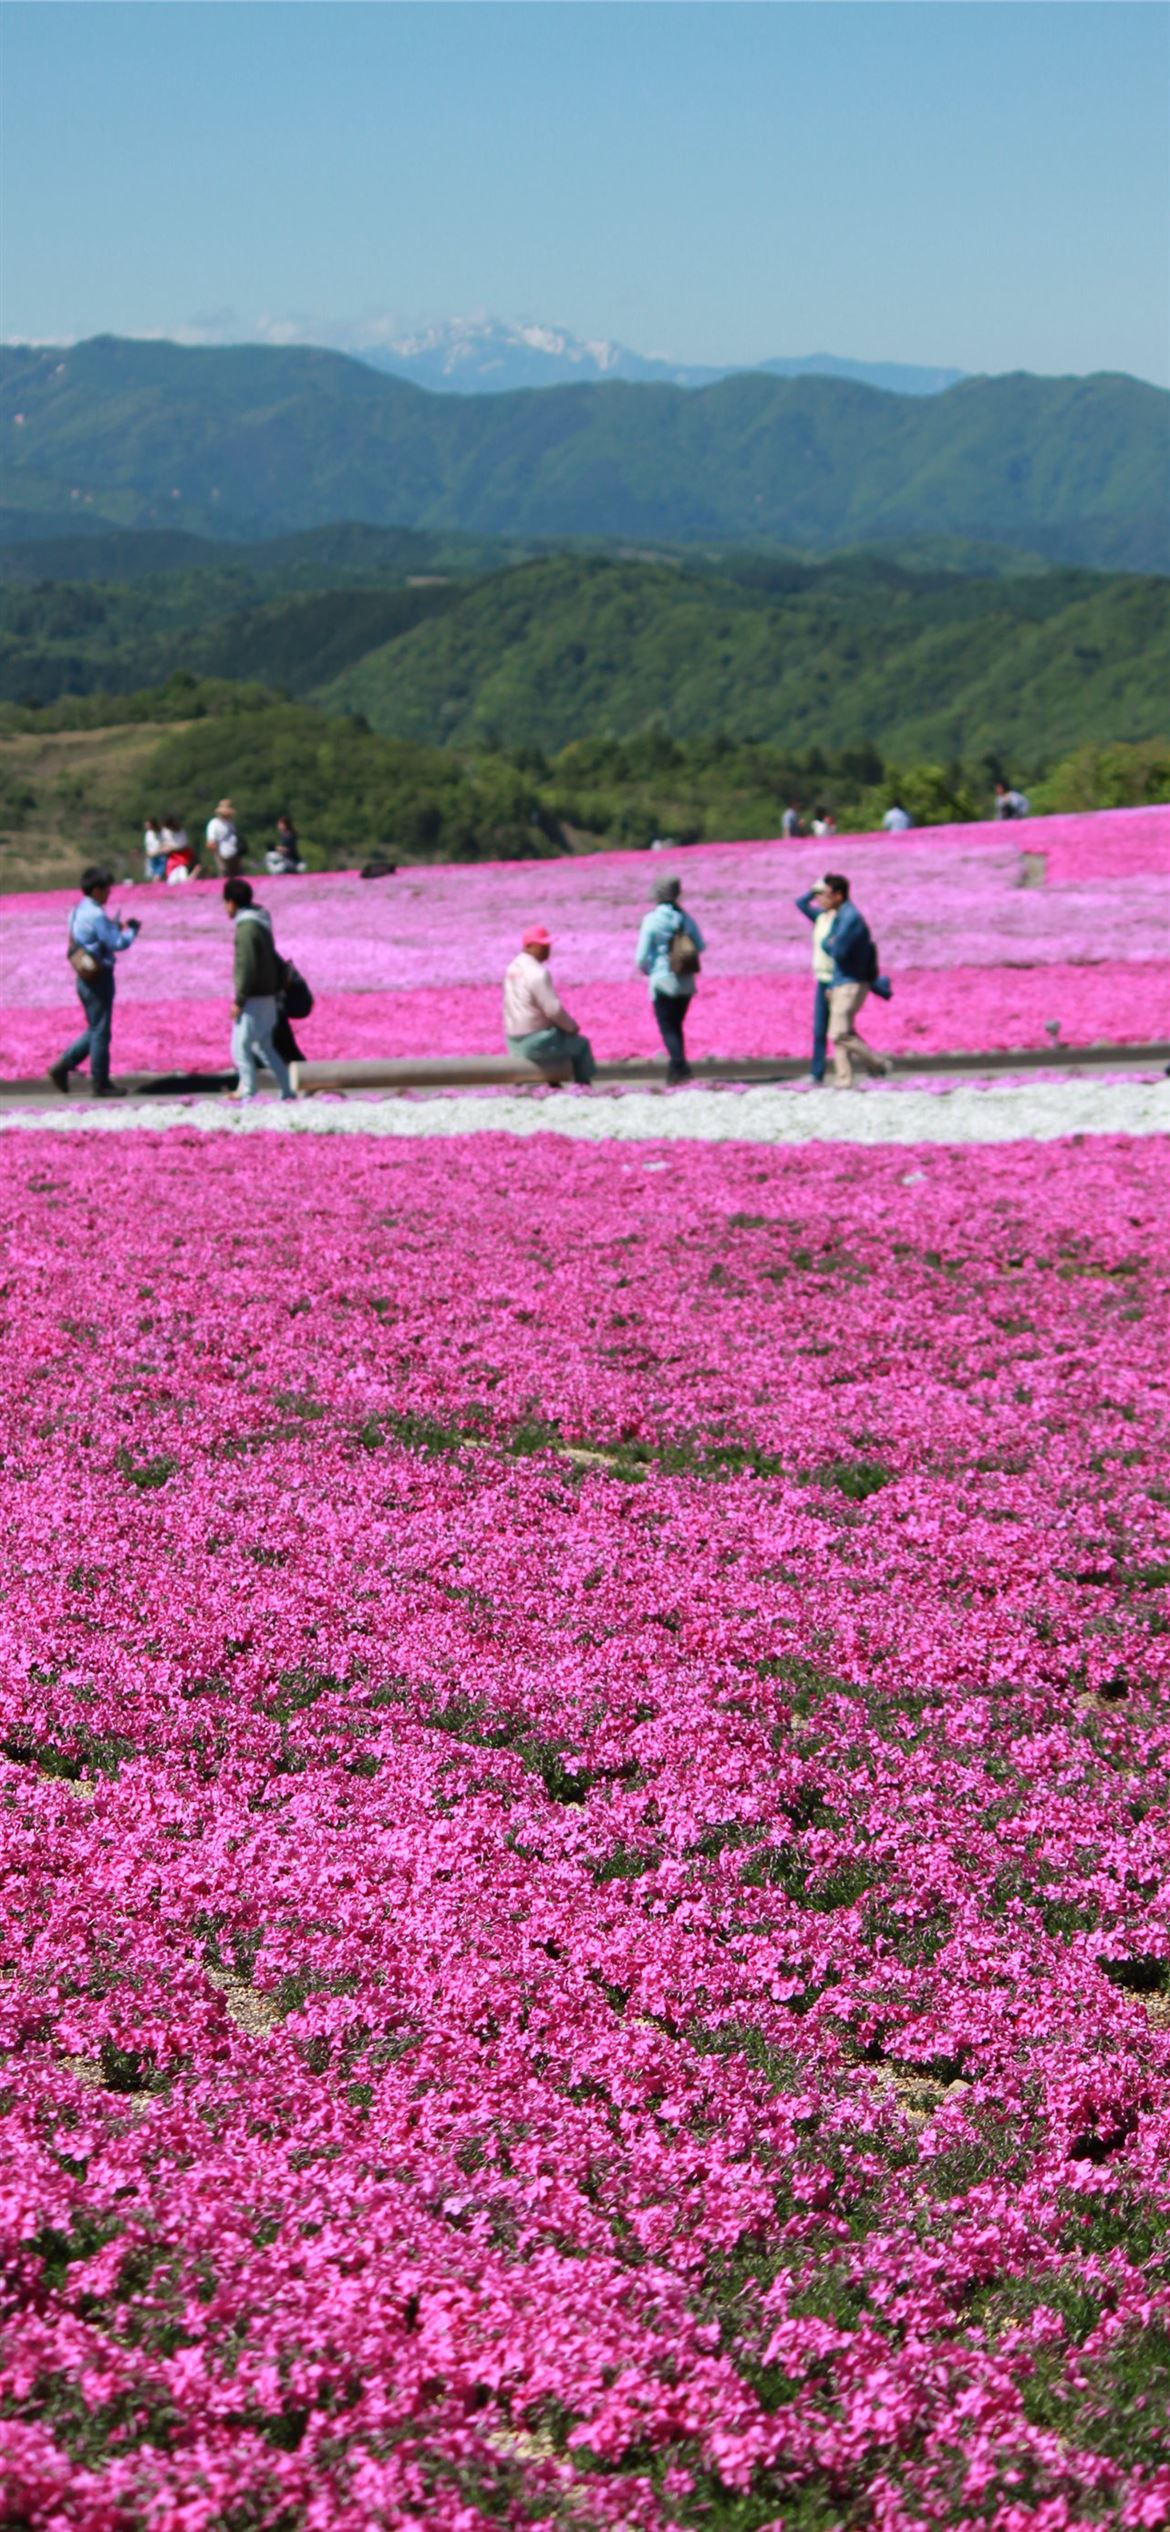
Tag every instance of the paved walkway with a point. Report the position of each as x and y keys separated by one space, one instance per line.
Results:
x=648 y=1075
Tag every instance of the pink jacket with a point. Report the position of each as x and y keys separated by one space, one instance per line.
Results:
x=531 y=1000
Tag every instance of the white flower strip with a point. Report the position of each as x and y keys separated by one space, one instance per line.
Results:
x=1001 y=1112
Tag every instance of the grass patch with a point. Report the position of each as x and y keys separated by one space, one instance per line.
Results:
x=147 y=1474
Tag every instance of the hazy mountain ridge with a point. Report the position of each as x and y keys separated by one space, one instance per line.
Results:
x=254 y=441
x=488 y=356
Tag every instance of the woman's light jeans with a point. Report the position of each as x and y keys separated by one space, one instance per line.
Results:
x=252 y=1038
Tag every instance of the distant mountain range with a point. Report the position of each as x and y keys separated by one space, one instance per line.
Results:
x=255 y=440
x=474 y=356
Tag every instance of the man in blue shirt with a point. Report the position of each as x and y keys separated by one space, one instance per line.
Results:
x=95 y=939
x=672 y=971
x=850 y=947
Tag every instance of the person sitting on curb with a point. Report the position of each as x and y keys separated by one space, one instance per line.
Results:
x=850 y=945
x=257 y=980
x=536 y=1023
x=95 y=939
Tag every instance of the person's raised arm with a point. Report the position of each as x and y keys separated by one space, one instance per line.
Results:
x=805 y=905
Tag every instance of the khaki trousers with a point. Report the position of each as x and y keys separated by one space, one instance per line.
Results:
x=848 y=1046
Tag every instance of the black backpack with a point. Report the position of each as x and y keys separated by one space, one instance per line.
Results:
x=295 y=995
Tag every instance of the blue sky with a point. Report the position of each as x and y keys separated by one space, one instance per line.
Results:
x=954 y=181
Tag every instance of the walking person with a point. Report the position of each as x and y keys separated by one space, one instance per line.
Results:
x=95 y=941
x=850 y=945
x=897 y=820
x=669 y=947
x=536 y=1023
x=790 y=822
x=223 y=841
x=822 y=916
x=256 y=982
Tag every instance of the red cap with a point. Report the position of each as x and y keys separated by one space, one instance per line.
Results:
x=536 y=937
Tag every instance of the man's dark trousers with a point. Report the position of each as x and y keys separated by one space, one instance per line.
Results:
x=97 y=1002
x=820 y=1053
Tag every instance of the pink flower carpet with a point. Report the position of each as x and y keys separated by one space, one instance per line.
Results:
x=413 y=964
x=586 y=1925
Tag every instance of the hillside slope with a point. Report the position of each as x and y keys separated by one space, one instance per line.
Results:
x=252 y=440
x=538 y=655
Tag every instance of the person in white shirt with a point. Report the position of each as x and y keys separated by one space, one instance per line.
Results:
x=897 y=820
x=154 y=851
x=536 y=1023
x=824 y=823
x=1011 y=804
x=223 y=841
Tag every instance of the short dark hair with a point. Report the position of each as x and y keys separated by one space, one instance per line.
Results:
x=835 y=880
x=237 y=892
x=97 y=876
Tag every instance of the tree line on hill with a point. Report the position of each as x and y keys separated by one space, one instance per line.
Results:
x=938 y=663
x=352 y=790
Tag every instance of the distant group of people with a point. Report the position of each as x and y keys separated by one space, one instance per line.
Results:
x=1009 y=803
x=169 y=855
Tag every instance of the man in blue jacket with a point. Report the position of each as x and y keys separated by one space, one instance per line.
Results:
x=850 y=945
x=95 y=940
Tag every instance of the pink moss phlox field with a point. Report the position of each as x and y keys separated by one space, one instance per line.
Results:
x=586 y=1903
x=971 y=1007
x=413 y=963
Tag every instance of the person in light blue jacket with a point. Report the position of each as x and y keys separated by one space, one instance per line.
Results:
x=672 y=972
x=95 y=940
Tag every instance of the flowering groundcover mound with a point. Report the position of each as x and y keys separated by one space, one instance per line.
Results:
x=412 y=965
x=587 y=1923
x=974 y=1008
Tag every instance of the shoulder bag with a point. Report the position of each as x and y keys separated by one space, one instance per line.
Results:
x=81 y=960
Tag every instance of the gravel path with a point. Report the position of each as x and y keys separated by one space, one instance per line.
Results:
x=1000 y=1112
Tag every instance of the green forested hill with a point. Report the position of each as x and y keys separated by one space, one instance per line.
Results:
x=830 y=654
x=945 y=667
x=252 y=440
x=123 y=611
x=86 y=638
